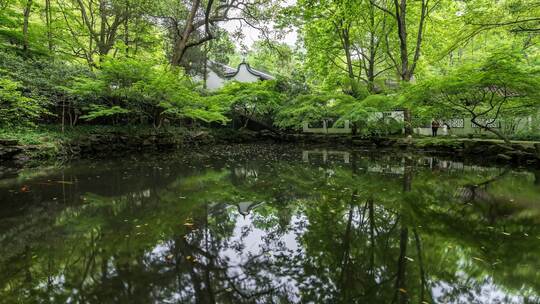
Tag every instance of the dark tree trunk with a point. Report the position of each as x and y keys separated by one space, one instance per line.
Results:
x=404 y=66
x=26 y=16
x=181 y=44
x=401 y=14
x=496 y=132
x=48 y=21
x=126 y=29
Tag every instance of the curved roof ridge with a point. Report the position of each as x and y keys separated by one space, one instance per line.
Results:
x=250 y=70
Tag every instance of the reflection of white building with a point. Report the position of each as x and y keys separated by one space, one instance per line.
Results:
x=217 y=74
x=325 y=155
x=245 y=208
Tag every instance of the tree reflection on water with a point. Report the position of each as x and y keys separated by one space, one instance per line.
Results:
x=266 y=224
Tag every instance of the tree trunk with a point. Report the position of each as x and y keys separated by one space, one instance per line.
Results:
x=370 y=73
x=496 y=132
x=26 y=16
x=344 y=35
x=48 y=21
x=181 y=44
x=347 y=48
x=405 y=67
x=63 y=114
x=407 y=117
x=102 y=31
x=401 y=13
x=126 y=29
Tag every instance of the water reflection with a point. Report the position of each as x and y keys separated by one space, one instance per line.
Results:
x=265 y=224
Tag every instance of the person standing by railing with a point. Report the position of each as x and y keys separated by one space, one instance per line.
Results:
x=434 y=127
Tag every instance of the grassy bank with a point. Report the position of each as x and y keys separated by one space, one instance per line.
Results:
x=53 y=134
x=50 y=142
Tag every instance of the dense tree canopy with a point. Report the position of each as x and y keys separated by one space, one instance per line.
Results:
x=140 y=61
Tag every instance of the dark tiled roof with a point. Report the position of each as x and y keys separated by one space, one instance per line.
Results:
x=230 y=72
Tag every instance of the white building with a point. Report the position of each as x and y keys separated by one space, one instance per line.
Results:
x=217 y=74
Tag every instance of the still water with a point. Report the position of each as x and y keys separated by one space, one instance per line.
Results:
x=271 y=224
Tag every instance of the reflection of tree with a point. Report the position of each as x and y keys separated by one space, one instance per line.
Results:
x=206 y=275
x=327 y=233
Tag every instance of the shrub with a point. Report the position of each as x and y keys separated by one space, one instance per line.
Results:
x=15 y=108
x=133 y=90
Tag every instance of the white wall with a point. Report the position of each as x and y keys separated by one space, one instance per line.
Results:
x=326 y=129
x=213 y=81
x=443 y=131
x=244 y=75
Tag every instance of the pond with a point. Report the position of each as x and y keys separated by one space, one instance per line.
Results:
x=271 y=224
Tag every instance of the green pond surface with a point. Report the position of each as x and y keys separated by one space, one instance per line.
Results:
x=271 y=224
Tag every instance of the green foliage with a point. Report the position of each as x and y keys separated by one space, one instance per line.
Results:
x=361 y=111
x=502 y=85
x=273 y=57
x=15 y=108
x=310 y=108
x=366 y=115
x=260 y=98
x=138 y=91
x=98 y=111
x=45 y=80
x=109 y=67
x=368 y=118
